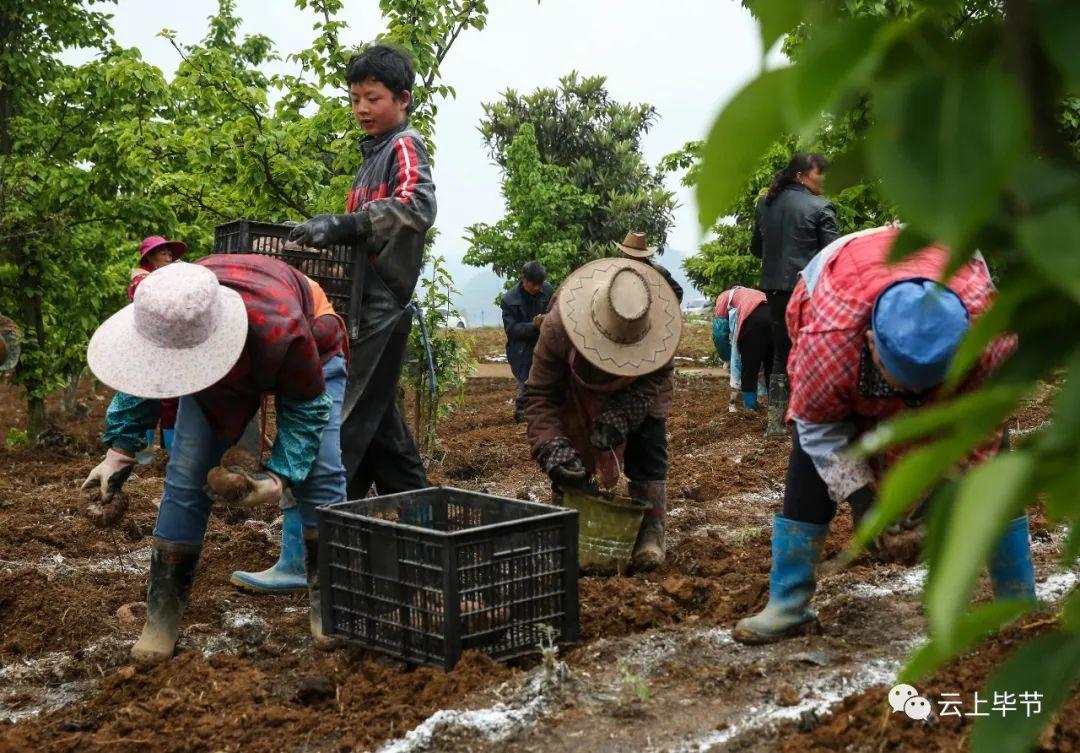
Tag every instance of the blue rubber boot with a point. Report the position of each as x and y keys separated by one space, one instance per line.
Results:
x=151 y=437
x=287 y=574
x=749 y=400
x=166 y=439
x=796 y=549
x=1011 y=570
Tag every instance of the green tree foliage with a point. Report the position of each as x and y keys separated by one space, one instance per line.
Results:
x=94 y=157
x=597 y=142
x=969 y=139
x=725 y=259
x=67 y=188
x=545 y=216
x=450 y=355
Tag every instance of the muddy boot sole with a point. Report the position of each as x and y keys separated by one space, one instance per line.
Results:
x=646 y=561
x=251 y=588
x=154 y=647
x=751 y=638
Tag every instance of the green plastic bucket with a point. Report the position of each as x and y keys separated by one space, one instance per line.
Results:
x=607 y=529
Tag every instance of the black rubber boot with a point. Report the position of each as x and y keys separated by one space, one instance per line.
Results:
x=172 y=571
x=311 y=570
x=778 y=402
x=650 y=545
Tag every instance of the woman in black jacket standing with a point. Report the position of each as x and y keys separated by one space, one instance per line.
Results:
x=792 y=222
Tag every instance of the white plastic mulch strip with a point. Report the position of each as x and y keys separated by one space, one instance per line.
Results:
x=493 y=724
x=822 y=693
x=133 y=563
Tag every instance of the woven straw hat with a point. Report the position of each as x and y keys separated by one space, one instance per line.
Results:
x=621 y=316
x=182 y=334
x=634 y=245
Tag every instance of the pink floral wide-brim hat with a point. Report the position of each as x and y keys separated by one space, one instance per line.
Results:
x=183 y=333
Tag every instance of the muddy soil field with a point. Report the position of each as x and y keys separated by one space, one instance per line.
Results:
x=656 y=668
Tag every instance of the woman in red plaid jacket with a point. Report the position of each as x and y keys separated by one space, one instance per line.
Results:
x=869 y=340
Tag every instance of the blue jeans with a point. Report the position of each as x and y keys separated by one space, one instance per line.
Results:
x=185 y=508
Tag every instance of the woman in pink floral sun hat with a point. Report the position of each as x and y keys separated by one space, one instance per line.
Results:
x=221 y=333
x=156 y=252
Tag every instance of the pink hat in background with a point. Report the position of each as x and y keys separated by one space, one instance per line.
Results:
x=182 y=334
x=179 y=248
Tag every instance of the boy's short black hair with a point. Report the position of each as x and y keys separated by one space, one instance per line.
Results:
x=534 y=272
x=390 y=66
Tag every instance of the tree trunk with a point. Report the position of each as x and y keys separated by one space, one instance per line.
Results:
x=71 y=393
x=35 y=324
x=35 y=422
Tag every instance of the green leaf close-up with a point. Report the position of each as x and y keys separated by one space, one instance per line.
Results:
x=944 y=147
x=986 y=499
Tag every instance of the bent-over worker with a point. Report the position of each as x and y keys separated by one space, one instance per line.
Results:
x=600 y=389
x=870 y=340
x=221 y=333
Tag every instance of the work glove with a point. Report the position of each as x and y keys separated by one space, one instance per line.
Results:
x=106 y=502
x=109 y=475
x=622 y=413
x=325 y=230
x=563 y=466
x=609 y=429
x=237 y=487
x=537 y=321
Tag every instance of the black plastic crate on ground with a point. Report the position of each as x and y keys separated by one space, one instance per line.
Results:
x=339 y=270
x=428 y=574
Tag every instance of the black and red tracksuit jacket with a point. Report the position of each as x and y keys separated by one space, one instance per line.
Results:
x=395 y=189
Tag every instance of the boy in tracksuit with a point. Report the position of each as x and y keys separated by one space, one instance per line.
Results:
x=389 y=210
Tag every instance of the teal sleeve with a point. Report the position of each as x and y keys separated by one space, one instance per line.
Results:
x=299 y=433
x=128 y=419
x=721 y=337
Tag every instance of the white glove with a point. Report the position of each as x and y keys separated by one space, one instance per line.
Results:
x=110 y=474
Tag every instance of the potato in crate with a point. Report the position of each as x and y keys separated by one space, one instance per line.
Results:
x=425 y=575
x=339 y=270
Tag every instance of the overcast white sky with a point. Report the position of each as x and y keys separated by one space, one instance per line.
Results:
x=685 y=57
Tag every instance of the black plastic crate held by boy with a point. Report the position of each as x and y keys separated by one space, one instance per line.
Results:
x=428 y=574
x=339 y=269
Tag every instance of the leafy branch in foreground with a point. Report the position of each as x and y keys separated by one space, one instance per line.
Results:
x=973 y=138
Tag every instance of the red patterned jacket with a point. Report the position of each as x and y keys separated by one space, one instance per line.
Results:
x=286 y=344
x=827 y=318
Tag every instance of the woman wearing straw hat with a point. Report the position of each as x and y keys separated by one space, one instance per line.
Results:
x=635 y=247
x=221 y=333
x=599 y=391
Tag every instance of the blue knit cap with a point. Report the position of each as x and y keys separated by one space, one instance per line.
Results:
x=918 y=325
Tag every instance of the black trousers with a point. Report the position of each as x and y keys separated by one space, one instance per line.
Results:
x=806 y=497
x=756 y=347
x=376 y=445
x=778 y=301
x=646 y=451
x=391 y=462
